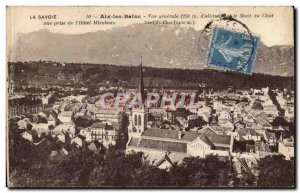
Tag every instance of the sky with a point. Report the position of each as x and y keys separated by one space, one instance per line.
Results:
x=276 y=29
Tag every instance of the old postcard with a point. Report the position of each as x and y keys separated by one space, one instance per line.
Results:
x=160 y=97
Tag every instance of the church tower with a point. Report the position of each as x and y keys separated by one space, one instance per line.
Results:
x=139 y=115
x=141 y=81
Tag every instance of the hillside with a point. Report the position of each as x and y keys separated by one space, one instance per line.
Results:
x=93 y=75
x=161 y=46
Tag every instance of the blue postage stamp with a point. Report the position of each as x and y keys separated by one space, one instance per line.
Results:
x=232 y=50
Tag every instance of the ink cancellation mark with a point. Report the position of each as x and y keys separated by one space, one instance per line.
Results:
x=232 y=50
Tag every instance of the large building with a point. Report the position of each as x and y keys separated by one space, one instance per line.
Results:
x=201 y=143
x=105 y=132
x=163 y=147
x=22 y=105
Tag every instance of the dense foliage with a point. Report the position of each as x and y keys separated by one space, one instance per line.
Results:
x=92 y=74
x=275 y=171
x=85 y=168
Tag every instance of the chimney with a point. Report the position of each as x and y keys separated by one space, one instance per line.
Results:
x=179 y=134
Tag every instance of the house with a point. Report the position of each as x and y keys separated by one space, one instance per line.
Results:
x=65 y=116
x=77 y=141
x=246 y=134
x=75 y=107
x=192 y=117
x=106 y=132
x=218 y=104
x=107 y=114
x=239 y=124
x=230 y=102
x=224 y=116
x=183 y=122
x=217 y=129
x=95 y=146
x=40 y=128
x=286 y=148
x=50 y=116
x=270 y=108
x=61 y=137
x=47 y=99
x=62 y=106
x=56 y=107
x=26 y=135
x=158 y=114
x=22 y=124
x=261 y=149
x=82 y=98
x=227 y=125
x=87 y=133
x=270 y=137
x=263 y=123
x=205 y=113
x=163 y=160
x=81 y=113
x=68 y=128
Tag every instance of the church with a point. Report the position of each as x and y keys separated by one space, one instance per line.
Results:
x=163 y=148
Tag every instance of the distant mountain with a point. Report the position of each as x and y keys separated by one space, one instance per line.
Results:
x=161 y=46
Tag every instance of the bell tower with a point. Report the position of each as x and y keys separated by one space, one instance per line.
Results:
x=139 y=115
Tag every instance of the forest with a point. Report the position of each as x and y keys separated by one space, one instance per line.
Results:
x=101 y=74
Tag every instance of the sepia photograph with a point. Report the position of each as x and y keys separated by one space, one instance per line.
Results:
x=150 y=97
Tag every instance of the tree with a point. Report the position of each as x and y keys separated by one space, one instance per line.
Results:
x=199 y=122
x=150 y=176
x=84 y=122
x=280 y=121
x=196 y=171
x=29 y=127
x=275 y=171
x=257 y=105
x=123 y=123
x=116 y=169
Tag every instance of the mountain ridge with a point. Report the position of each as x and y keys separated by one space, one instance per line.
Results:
x=161 y=46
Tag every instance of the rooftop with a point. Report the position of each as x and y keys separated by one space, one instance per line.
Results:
x=186 y=136
x=159 y=145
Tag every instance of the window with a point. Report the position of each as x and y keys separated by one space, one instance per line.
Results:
x=135 y=119
x=140 y=120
